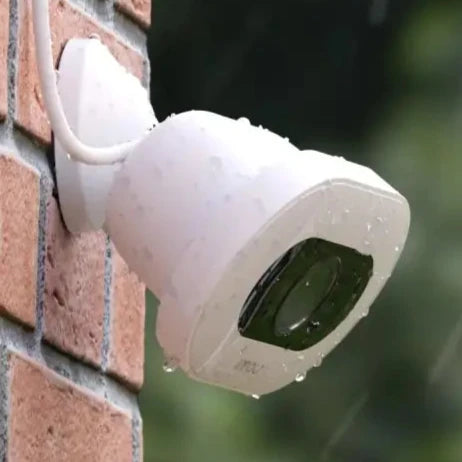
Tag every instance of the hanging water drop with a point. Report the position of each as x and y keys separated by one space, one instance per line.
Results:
x=244 y=120
x=255 y=396
x=318 y=360
x=300 y=377
x=170 y=365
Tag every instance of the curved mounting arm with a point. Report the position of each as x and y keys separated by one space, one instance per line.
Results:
x=74 y=147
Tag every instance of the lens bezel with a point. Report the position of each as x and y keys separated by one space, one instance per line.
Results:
x=257 y=319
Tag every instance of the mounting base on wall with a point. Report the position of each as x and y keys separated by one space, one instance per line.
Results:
x=104 y=105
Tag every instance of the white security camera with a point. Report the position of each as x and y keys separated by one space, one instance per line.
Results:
x=263 y=257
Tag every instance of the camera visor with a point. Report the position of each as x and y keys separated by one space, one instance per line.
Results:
x=305 y=294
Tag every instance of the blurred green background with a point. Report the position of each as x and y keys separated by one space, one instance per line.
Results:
x=379 y=82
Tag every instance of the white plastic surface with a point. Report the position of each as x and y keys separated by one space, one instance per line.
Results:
x=104 y=105
x=206 y=204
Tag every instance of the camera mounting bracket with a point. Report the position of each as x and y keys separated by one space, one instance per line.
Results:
x=104 y=105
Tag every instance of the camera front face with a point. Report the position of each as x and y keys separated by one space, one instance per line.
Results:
x=298 y=287
x=305 y=294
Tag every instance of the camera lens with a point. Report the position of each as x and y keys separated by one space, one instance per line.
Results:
x=305 y=294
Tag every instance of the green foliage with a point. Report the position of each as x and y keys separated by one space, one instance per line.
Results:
x=386 y=93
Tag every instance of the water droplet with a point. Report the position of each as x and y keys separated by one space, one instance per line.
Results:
x=300 y=377
x=312 y=325
x=346 y=211
x=367 y=243
x=365 y=312
x=307 y=283
x=301 y=357
x=286 y=139
x=170 y=365
x=68 y=156
x=318 y=360
x=397 y=248
x=369 y=226
x=244 y=120
x=216 y=163
x=255 y=396
x=380 y=219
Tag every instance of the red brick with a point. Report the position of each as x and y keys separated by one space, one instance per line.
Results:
x=52 y=419
x=4 y=21
x=126 y=354
x=66 y=22
x=73 y=308
x=19 y=216
x=139 y=10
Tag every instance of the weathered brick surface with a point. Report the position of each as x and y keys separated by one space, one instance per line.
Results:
x=126 y=354
x=19 y=217
x=66 y=22
x=52 y=419
x=139 y=10
x=74 y=289
x=4 y=13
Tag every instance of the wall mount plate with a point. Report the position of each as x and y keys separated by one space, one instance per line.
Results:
x=104 y=105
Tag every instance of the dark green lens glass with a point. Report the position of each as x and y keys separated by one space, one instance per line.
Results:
x=305 y=294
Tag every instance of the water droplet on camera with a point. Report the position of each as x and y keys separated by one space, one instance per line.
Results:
x=170 y=365
x=216 y=163
x=318 y=360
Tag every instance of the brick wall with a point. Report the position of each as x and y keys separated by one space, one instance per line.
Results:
x=71 y=312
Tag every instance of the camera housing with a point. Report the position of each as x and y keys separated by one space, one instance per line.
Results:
x=263 y=257
x=208 y=204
